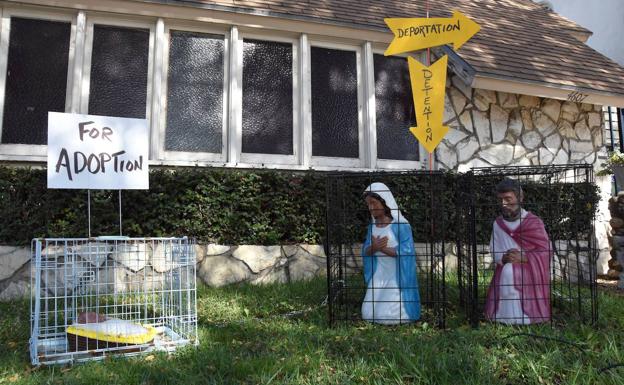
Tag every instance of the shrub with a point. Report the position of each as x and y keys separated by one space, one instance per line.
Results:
x=269 y=207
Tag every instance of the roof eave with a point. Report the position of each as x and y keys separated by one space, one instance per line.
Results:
x=554 y=91
x=260 y=12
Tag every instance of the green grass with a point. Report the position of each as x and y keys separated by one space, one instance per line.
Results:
x=245 y=339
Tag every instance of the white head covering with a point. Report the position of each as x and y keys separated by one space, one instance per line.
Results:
x=384 y=193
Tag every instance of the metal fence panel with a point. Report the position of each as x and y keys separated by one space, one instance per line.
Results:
x=92 y=297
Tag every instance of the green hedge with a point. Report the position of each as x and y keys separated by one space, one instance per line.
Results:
x=567 y=209
x=273 y=207
x=427 y=201
x=223 y=206
x=438 y=206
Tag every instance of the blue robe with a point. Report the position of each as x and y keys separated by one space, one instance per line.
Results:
x=406 y=267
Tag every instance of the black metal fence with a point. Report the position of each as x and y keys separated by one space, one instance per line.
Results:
x=421 y=199
x=563 y=287
x=451 y=217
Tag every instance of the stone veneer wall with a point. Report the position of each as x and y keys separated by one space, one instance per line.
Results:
x=217 y=265
x=139 y=267
x=488 y=128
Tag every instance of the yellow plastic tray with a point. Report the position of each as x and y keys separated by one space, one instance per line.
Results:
x=117 y=338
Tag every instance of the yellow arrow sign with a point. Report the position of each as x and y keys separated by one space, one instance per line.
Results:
x=411 y=34
x=428 y=86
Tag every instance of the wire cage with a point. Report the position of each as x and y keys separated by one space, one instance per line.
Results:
x=381 y=289
x=95 y=297
x=555 y=280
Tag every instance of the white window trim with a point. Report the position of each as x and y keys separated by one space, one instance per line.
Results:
x=88 y=52
x=360 y=162
x=81 y=29
x=234 y=108
x=394 y=164
x=370 y=123
x=257 y=158
x=156 y=101
x=305 y=94
x=32 y=151
x=162 y=153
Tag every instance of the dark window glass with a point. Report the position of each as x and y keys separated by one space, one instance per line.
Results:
x=267 y=97
x=36 y=78
x=119 y=71
x=395 y=109
x=334 y=103
x=195 y=93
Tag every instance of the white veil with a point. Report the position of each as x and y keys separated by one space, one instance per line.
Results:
x=384 y=193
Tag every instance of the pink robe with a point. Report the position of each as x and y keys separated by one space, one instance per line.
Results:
x=531 y=279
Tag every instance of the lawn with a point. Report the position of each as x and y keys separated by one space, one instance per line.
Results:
x=278 y=334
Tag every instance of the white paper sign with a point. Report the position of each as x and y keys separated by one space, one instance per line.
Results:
x=97 y=152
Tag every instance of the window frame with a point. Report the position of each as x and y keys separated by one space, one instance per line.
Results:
x=121 y=22
x=32 y=151
x=393 y=164
x=611 y=117
x=161 y=126
x=342 y=162
x=257 y=158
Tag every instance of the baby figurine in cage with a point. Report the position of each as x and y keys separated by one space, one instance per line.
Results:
x=389 y=262
x=520 y=289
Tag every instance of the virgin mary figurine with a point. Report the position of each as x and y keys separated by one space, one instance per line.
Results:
x=389 y=262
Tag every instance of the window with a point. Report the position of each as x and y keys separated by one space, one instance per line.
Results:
x=119 y=71
x=394 y=109
x=267 y=132
x=213 y=95
x=612 y=128
x=335 y=99
x=36 y=78
x=195 y=93
x=267 y=97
